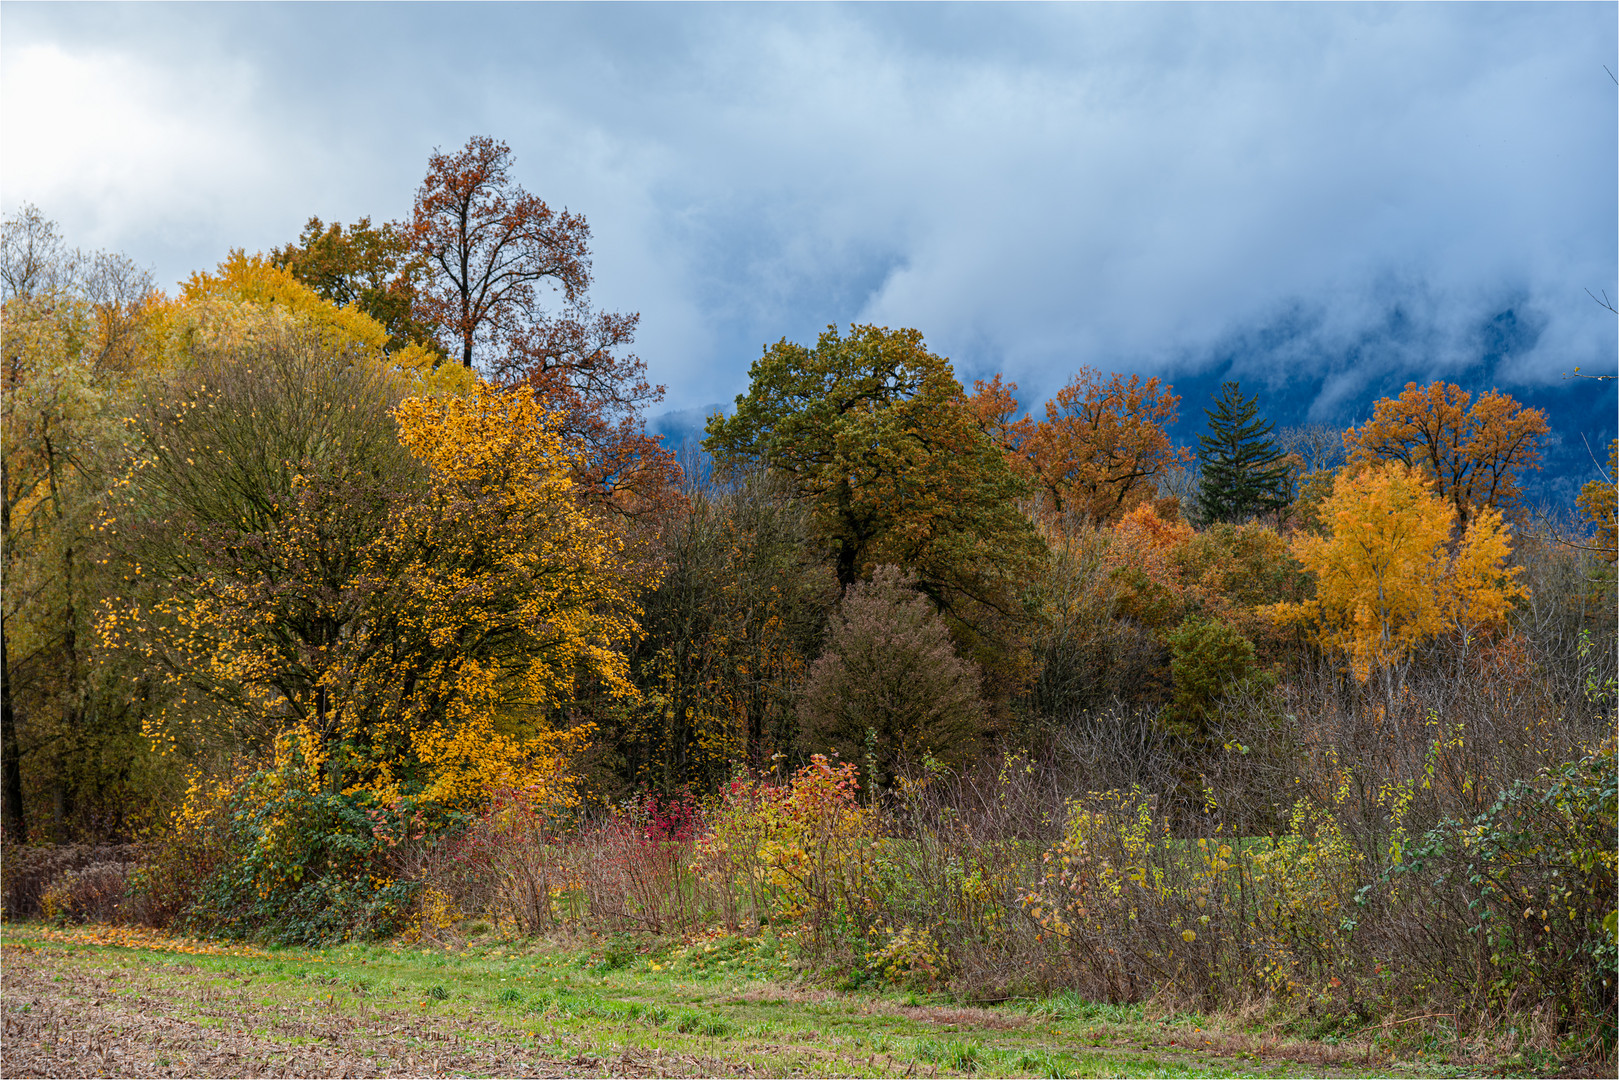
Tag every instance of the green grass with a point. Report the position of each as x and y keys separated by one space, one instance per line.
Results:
x=729 y=1002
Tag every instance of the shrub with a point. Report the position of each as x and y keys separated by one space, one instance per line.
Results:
x=1139 y=909
x=530 y=870
x=801 y=852
x=269 y=854
x=94 y=894
x=890 y=685
x=634 y=869
x=28 y=871
x=192 y=850
x=1517 y=907
x=1208 y=660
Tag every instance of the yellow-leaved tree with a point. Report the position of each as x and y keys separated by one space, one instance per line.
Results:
x=1597 y=503
x=217 y=303
x=321 y=543
x=1390 y=575
x=505 y=593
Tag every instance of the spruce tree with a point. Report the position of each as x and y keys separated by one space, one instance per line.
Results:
x=1243 y=471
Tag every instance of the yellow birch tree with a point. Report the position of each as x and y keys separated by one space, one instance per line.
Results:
x=1388 y=576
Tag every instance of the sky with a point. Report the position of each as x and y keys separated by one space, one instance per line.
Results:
x=1320 y=201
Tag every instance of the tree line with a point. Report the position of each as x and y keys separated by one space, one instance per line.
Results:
x=383 y=497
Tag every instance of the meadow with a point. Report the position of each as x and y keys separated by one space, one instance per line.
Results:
x=114 y=1002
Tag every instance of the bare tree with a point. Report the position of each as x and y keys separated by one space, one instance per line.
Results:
x=1317 y=446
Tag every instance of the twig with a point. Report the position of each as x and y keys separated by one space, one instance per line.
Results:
x=1396 y=1023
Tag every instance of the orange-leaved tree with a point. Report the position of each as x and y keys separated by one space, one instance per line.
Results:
x=1472 y=451
x=1389 y=577
x=1100 y=447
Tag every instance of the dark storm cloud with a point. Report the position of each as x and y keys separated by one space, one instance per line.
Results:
x=1322 y=200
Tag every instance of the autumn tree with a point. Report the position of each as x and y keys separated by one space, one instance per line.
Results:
x=727 y=636
x=993 y=406
x=1388 y=577
x=262 y=475
x=227 y=302
x=1317 y=447
x=890 y=684
x=1243 y=471
x=76 y=327
x=1100 y=448
x=504 y=597
x=34 y=260
x=873 y=433
x=491 y=249
x=1472 y=451
x=371 y=267
x=488 y=244
x=576 y=363
x=407 y=581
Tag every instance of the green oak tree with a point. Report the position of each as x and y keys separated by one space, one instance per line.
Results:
x=368 y=266
x=872 y=431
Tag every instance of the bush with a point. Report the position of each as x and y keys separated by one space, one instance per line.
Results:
x=28 y=871
x=1516 y=908
x=94 y=894
x=1208 y=661
x=270 y=855
x=890 y=686
x=803 y=852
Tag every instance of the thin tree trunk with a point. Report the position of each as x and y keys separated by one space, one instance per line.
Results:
x=15 y=820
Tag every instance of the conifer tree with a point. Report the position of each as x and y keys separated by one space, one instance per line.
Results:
x=1243 y=472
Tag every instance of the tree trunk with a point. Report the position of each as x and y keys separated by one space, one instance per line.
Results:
x=14 y=820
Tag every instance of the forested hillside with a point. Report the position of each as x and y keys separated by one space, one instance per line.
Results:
x=346 y=595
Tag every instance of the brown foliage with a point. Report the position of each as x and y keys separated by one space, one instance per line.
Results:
x=574 y=363
x=28 y=872
x=488 y=246
x=889 y=668
x=488 y=242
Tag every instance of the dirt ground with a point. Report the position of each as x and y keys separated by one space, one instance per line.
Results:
x=61 y=1020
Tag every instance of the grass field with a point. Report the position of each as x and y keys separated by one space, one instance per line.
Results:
x=90 y=1001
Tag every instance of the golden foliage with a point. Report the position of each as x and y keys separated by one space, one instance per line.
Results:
x=499 y=552
x=210 y=309
x=428 y=610
x=1388 y=576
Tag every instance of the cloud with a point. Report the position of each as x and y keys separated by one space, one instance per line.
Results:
x=1352 y=193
